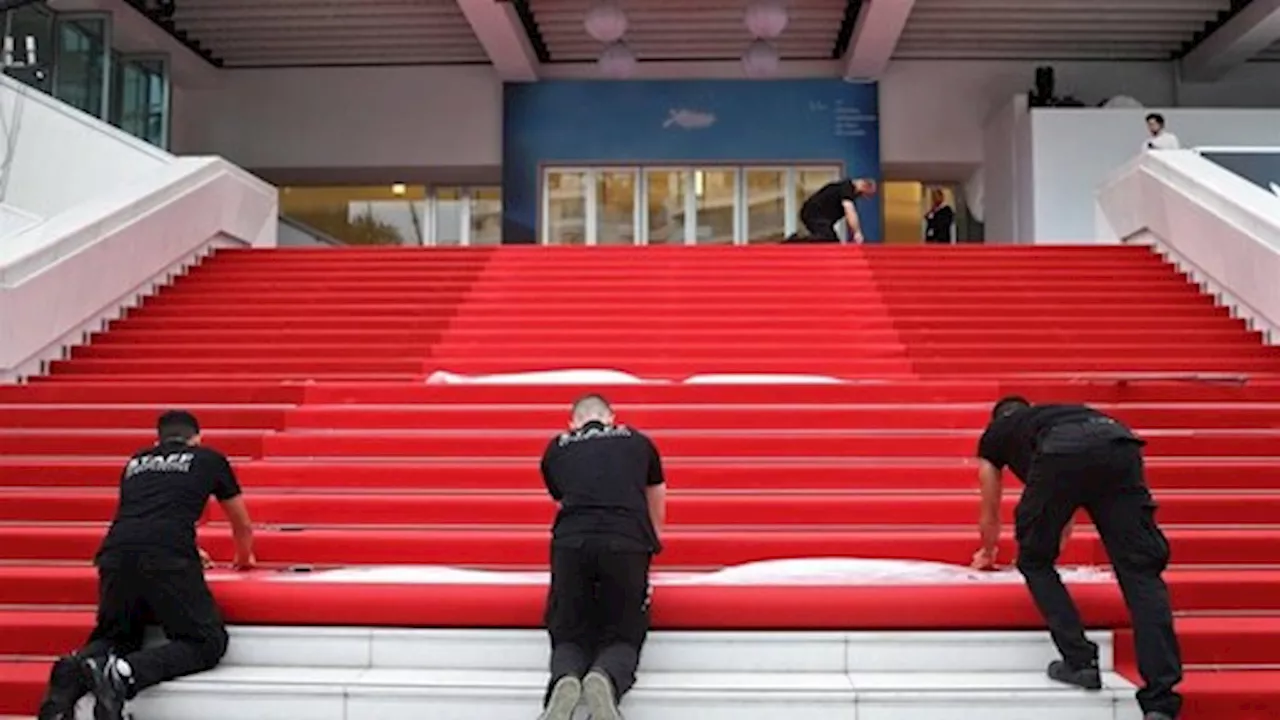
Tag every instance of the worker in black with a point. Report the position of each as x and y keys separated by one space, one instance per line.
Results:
x=831 y=204
x=612 y=494
x=1070 y=457
x=151 y=571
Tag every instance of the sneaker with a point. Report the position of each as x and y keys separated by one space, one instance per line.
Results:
x=598 y=690
x=563 y=700
x=1088 y=678
x=68 y=682
x=1157 y=716
x=110 y=689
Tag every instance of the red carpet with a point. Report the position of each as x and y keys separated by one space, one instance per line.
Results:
x=308 y=366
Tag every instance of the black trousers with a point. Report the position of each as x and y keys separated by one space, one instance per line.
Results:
x=1106 y=479
x=135 y=591
x=597 y=612
x=821 y=229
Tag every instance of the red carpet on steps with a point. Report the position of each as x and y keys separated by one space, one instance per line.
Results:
x=309 y=367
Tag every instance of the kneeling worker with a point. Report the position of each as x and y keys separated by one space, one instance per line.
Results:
x=612 y=494
x=1071 y=457
x=831 y=204
x=149 y=569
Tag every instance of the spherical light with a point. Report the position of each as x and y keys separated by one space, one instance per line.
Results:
x=617 y=60
x=766 y=19
x=606 y=22
x=761 y=59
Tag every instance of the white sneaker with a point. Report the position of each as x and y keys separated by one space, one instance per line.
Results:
x=597 y=688
x=564 y=699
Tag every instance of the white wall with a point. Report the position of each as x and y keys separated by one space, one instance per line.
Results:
x=346 y=117
x=1222 y=229
x=1075 y=151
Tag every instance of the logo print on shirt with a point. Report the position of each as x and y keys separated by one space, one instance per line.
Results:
x=593 y=434
x=171 y=463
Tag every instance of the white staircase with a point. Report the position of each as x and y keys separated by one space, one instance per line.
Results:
x=273 y=673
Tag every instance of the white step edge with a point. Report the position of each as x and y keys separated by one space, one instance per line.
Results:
x=353 y=694
x=758 y=652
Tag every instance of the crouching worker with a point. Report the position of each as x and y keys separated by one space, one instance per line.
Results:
x=612 y=494
x=150 y=570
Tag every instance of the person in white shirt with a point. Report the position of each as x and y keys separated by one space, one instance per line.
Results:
x=1160 y=139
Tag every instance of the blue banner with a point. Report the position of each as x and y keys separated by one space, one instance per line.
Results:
x=742 y=122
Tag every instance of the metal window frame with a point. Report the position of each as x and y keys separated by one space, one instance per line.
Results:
x=108 y=66
x=166 y=89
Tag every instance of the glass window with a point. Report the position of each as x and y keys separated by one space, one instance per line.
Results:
x=566 y=207
x=486 y=216
x=715 y=193
x=140 y=98
x=766 y=204
x=448 y=216
x=665 y=206
x=31 y=28
x=82 y=61
x=616 y=200
x=359 y=215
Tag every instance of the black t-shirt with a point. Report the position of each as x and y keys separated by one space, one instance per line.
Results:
x=163 y=492
x=599 y=475
x=829 y=201
x=1013 y=440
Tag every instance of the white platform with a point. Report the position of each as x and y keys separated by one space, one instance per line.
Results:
x=387 y=674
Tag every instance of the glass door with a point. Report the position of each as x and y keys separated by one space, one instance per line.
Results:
x=616 y=203
x=714 y=199
x=565 y=207
x=666 y=207
x=486 y=216
x=765 y=204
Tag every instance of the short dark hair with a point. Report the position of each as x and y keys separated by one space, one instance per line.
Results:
x=1008 y=405
x=1157 y=117
x=177 y=425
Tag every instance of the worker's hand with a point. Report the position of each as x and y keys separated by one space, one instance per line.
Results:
x=984 y=559
x=858 y=238
x=245 y=563
x=205 y=560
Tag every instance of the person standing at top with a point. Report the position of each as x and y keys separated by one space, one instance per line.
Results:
x=150 y=570
x=940 y=221
x=831 y=204
x=1160 y=139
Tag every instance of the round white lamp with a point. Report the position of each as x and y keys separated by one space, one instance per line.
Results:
x=617 y=60
x=766 y=19
x=606 y=22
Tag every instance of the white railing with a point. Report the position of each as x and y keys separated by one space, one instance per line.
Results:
x=1219 y=228
x=93 y=220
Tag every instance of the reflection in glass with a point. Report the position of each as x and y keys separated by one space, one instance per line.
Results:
x=616 y=203
x=370 y=215
x=665 y=195
x=139 y=98
x=448 y=216
x=486 y=216
x=715 y=200
x=82 y=61
x=766 y=204
x=566 y=203
x=31 y=28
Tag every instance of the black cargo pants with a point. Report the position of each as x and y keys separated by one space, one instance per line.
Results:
x=597 y=611
x=1097 y=467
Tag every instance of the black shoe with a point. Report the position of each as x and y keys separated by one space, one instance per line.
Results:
x=1088 y=678
x=68 y=682
x=110 y=690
